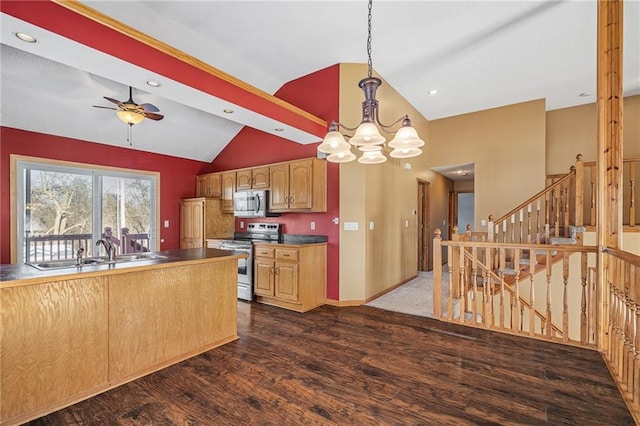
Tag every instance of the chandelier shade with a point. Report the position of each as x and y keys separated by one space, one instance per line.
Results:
x=367 y=138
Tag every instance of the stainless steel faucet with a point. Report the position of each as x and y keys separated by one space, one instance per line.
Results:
x=79 y=256
x=108 y=246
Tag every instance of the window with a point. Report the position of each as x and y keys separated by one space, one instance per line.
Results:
x=66 y=206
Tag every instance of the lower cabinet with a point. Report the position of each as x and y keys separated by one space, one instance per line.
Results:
x=291 y=276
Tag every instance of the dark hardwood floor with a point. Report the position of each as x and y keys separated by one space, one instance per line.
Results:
x=364 y=366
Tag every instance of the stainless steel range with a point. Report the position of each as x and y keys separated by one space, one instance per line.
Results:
x=243 y=242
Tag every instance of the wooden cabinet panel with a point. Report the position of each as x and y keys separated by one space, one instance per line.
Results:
x=279 y=194
x=228 y=189
x=209 y=185
x=263 y=277
x=290 y=276
x=54 y=345
x=299 y=186
x=255 y=178
x=286 y=282
x=196 y=310
x=201 y=219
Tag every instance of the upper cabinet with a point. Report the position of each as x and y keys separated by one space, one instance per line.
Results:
x=228 y=188
x=294 y=186
x=298 y=186
x=255 y=178
x=209 y=185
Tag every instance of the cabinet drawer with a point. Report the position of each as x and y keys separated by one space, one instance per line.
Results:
x=264 y=252
x=287 y=254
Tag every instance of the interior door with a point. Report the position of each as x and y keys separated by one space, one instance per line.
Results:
x=424 y=237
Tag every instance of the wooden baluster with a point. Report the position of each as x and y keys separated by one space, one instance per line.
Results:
x=521 y=226
x=529 y=224
x=547 y=216
x=532 y=298
x=556 y=206
x=566 y=198
x=513 y=228
x=565 y=302
x=437 y=273
x=486 y=299
x=502 y=268
x=515 y=309
x=462 y=292
x=539 y=228
x=579 y=191
x=474 y=280
x=450 y=284
x=612 y=328
x=548 y=323
x=583 y=299
x=632 y=194
x=636 y=359
x=592 y=209
x=631 y=348
x=504 y=231
x=455 y=260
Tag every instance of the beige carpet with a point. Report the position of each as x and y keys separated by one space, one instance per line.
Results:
x=415 y=297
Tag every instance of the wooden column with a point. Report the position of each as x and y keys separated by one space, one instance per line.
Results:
x=609 y=148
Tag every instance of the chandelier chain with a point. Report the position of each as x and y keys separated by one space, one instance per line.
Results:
x=369 y=62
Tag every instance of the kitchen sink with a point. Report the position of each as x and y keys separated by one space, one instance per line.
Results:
x=88 y=261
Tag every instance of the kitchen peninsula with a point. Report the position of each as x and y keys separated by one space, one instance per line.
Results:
x=68 y=334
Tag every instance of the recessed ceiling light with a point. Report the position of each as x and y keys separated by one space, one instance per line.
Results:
x=26 y=37
x=584 y=94
x=279 y=129
x=227 y=111
x=153 y=83
x=433 y=92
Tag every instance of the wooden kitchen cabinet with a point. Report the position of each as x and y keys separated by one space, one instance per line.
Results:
x=291 y=276
x=201 y=219
x=298 y=186
x=254 y=178
x=209 y=185
x=228 y=188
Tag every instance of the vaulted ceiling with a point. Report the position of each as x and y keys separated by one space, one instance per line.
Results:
x=215 y=55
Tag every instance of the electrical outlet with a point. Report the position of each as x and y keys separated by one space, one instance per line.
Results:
x=241 y=224
x=371 y=226
x=336 y=220
x=166 y=223
x=406 y=223
x=313 y=226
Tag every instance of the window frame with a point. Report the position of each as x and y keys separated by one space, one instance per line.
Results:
x=18 y=162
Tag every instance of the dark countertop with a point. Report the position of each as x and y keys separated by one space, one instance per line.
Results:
x=18 y=274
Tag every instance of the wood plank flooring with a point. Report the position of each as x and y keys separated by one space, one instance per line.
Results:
x=364 y=366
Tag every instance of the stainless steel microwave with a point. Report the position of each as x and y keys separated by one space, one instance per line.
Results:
x=252 y=204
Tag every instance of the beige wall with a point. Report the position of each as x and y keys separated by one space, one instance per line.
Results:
x=373 y=260
x=572 y=131
x=507 y=147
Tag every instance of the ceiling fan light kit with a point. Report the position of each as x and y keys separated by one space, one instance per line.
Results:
x=367 y=138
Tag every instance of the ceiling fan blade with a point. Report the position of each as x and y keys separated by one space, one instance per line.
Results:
x=149 y=107
x=115 y=101
x=100 y=106
x=153 y=116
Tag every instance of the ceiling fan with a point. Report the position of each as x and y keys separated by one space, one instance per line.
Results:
x=131 y=112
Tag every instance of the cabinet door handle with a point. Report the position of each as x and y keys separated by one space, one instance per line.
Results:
x=272 y=270
x=277 y=271
x=290 y=200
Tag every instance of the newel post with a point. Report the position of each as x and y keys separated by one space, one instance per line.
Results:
x=437 y=274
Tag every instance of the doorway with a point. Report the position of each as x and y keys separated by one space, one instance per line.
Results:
x=423 y=226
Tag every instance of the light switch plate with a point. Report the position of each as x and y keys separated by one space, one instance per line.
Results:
x=351 y=226
x=371 y=226
x=166 y=223
x=313 y=226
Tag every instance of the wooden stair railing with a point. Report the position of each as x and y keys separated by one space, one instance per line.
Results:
x=503 y=285
x=631 y=173
x=551 y=212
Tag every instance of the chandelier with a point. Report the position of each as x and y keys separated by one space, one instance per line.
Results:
x=367 y=138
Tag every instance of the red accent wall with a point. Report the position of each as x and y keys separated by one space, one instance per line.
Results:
x=317 y=93
x=177 y=175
